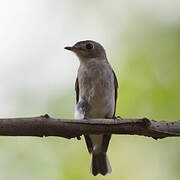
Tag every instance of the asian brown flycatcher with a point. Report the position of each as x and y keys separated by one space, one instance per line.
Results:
x=96 y=94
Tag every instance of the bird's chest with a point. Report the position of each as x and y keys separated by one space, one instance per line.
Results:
x=96 y=88
x=95 y=82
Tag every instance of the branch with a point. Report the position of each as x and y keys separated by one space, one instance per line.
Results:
x=70 y=128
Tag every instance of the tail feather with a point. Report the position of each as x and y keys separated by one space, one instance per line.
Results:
x=100 y=164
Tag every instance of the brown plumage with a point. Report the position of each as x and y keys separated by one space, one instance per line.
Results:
x=96 y=96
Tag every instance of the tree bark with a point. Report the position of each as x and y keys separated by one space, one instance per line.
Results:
x=70 y=128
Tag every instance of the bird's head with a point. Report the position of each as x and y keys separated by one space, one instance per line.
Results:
x=87 y=50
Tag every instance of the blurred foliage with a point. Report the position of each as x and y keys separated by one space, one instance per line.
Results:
x=146 y=59
x=151 y=75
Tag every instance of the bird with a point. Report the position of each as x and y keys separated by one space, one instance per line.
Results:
x=96 y=89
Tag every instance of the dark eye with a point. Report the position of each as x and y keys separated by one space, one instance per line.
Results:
x=89 y=46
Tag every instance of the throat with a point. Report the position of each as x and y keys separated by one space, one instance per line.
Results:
x=85 y=61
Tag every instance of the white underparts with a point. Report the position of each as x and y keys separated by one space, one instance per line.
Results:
x=78 y=114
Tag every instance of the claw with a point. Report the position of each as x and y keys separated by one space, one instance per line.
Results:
x=85 y=117
x=78 y=137
x=117 y=118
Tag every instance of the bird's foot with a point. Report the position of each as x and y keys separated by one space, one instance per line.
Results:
x=85 y=117
x=117 y=118
x=78 y=137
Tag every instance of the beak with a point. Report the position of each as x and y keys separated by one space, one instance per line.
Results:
x=71 y=48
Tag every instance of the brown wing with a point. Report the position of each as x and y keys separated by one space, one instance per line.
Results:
x=77 y=90
x=107 y=137
x=116 y=91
